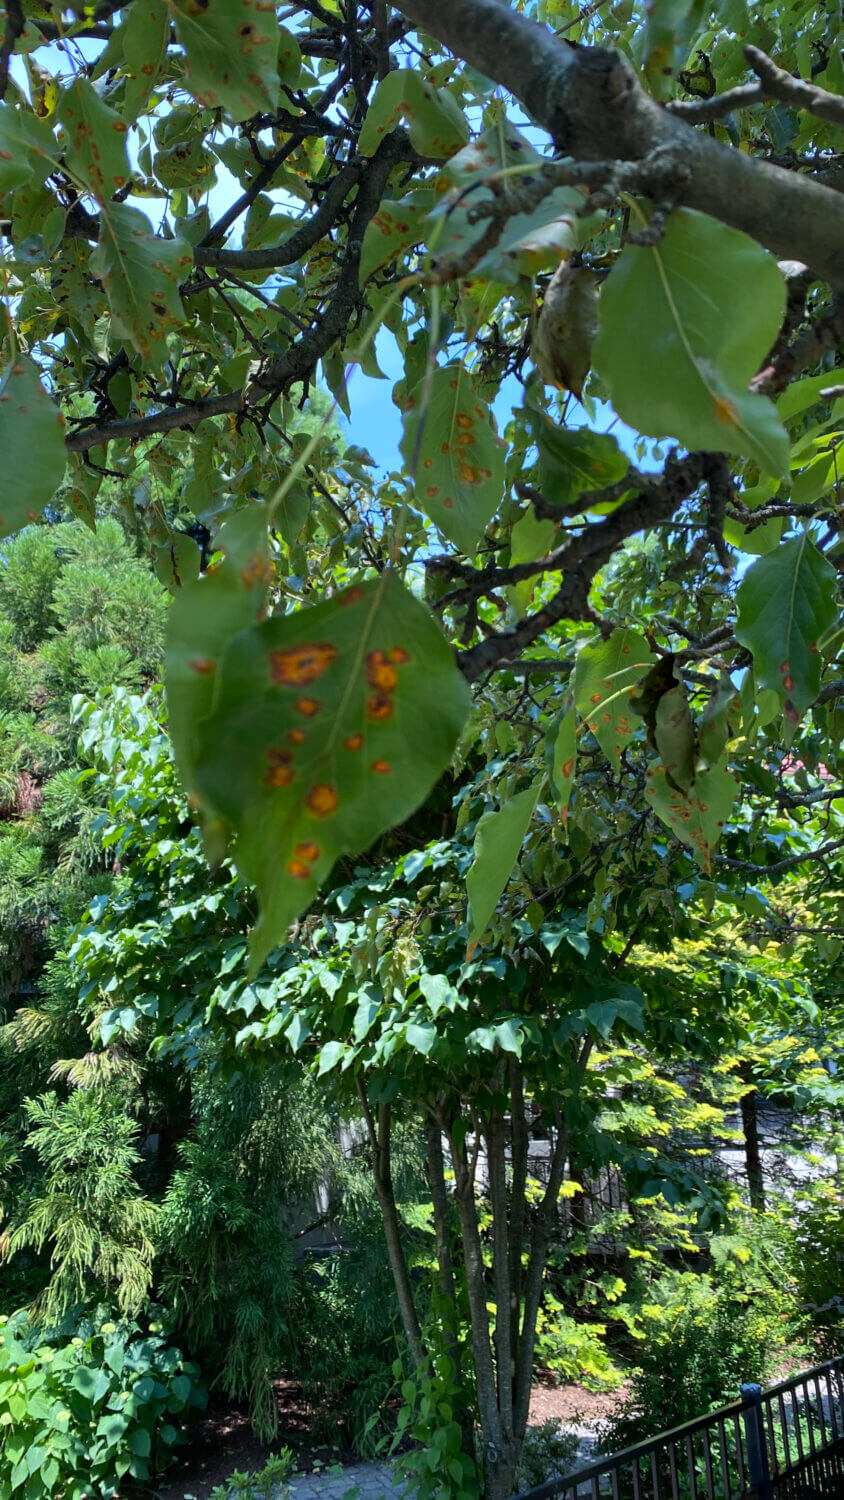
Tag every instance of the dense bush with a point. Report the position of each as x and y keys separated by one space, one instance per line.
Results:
x=84 y=1407
x=816 y=1262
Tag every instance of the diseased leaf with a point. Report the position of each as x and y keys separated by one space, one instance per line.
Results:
x=146 y=32
x=575 y=461
x=786 y=601
x=141 y=275
x=697 y=815
x=451 y=448
x=232 y=53
x=498 y=839
x=329 y=726
x=435 y=123
x=606 y=674
x=684 y=325
x=567 y=328
x=715 y=728
x=675 y=737
x=28 y=151
x=32 y=445
x=94 y=137
x=669 y=28
x=389 y=232
x=561 y=755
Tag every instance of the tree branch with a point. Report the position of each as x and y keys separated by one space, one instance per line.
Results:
x=379 y=1137
x=777 y=84
x=790 y=863
x=15 y=24
x=300 y=241
x=591 y=104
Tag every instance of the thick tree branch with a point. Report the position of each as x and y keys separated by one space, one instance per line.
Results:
x=826 y=333
x=777 y=84
x=592 y=105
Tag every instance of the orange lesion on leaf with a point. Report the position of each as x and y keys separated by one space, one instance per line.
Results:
x=298 y=869
x=308 y=851
x=378 y=706
x=297 y=736
x=399 y=655
x=350 y=596
x=726 y=411
x=321 y=800
x=353 y=741
x=294 y=666
x=254 y=572
x=308 y=706
x=280 y=771
x=382 y=767
x=203 y=666
x=380 y=673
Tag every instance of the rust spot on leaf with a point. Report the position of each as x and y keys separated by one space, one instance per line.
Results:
x=203 y=665
x=353 y=741
x=296 y=665
x=280 y=771
x=308 y=706
x=382 y=767
x=308 y=851
x=321 y=800
x=298 y=869
x=378 y=706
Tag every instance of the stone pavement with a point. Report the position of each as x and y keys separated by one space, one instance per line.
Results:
x=374 y=1481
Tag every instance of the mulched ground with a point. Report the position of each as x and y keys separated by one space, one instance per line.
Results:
x=222 y=1441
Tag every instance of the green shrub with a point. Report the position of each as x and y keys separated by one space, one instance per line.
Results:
x=816 y=1262
x=547 y=1453
x=258 y=1484
x=80 y=1411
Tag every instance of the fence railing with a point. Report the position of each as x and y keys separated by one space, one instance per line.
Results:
x=787 y=1441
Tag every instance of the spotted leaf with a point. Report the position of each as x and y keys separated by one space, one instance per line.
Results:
x=32 y=445
x=390 y=232
x=606 y=674
x=697 y=815
x=141 y=275
x=146 y=33
x=94 y=138
x=28 y=151
x=786 y=601
x=435 y=123
x=453 y=452
x=561 y=755
x=330 y=725
x=232 y=53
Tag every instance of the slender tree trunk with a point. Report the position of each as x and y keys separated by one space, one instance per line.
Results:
x=519 y=1144
x=752 y=1154
x=380 y=1140
x=540 y=1241
x=447 y=1271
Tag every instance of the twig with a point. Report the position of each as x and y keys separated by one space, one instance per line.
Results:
x=15 y=24
x=781 y=864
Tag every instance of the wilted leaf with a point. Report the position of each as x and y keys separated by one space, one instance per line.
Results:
x=452 y=451
x=435 y=123
x=786 y=601
x=498 y=839
x=697 y=815
x=32 y=445
x=141 y=275
x=606 y=674
x=329 y=726
x=567 y=328
x=232 y=53
x=684 y=325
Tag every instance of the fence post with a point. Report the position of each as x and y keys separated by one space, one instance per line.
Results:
x=757 y=1447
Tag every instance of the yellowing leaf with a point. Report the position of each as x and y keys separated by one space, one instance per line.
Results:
x=32 y=445
x=451 y=448
x=330 y=725
x=698 y=814
x=232 y=53
x=141 y=275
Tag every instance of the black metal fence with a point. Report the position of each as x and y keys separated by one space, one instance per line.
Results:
x=786 y=1442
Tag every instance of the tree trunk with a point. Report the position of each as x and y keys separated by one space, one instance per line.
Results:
x=752 y=1155
x=380 y=1141
x=447 y=1274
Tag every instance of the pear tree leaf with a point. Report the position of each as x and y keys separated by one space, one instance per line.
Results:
x=28 y=150
x=567 y=328
x=695 y=815
x=561 y=755
x=232 y=53
x=435 y=122
x=530 y=540
x=498 y=839
x=684 y=325
x=146 y=33
x=452 y=449
x=330 y=725
x=606 y=673
x=203 y=617
x=786 y=601
x=32 y=445
x=574 y=461
x=392 y=230
x=94 y=137
x=715 y=726
x=674 y=734
x=141 y=274
x=755 y=539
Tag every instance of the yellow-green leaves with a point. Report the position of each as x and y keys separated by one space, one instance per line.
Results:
x=141 y=275
x=561 y=755
x=31 y=443
x=436 y=126
x=606 y=674
x=452 y=450
x=498 y=840
x=684 y=325
x=146 y=32
x=574 y=460
x=786 y=601
x=94 y=138
x=328 y=726
x=389 y=232
x=232 y=53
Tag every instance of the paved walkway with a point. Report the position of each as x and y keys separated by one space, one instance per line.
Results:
x=361 y=1481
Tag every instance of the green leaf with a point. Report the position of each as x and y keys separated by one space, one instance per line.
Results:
x=330 y=726
x=139 y=1442
x=755 y=539
x=605 y=675
x=669 y=28
x=561 y=756
x=32 y=445
x=202 y=620
x=94 y=138
x=684 y=325
x=786 y=601
x=696 y=816
x=330 y=1055
x=498 y=840
x=674 y=734
x=232 y=53
x=421 y=1038
x=715 y=728
x=389 y=232
x=141 y=275
x=28 y=152
x=454 y=454
x=434 y=120
x=574 y=462
x=530 y=540
x=146 y=33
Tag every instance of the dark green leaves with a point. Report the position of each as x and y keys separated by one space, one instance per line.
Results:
x=435 y=123
x=697 y=813
x=452 y=450
x=32 y=445
x=498 y=839
x=575 y=461
x=232 y=53
x=684 y=326
x=786 y=601
x=606 y=673
x=329 y=726
x=94 y=138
